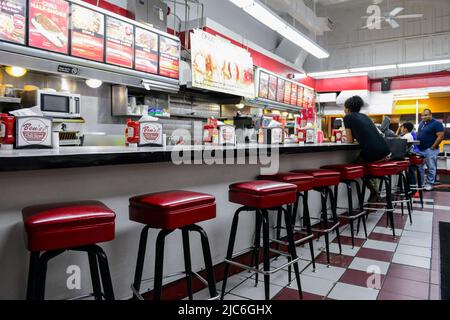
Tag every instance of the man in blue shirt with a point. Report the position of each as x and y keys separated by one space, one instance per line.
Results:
x=431 y=134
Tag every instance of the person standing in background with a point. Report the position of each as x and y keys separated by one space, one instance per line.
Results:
x=431 y=134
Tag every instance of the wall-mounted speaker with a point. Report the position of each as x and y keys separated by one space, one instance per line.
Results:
x=386 y=84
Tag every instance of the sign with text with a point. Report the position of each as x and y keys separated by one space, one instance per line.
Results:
x=33 y=132
x=119 y=42
x=218 y=65
x=12 y=20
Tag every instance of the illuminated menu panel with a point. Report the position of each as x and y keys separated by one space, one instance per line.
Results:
x=146 y=51
x=263 y=85
x=119 y=42
x=294 y=94
x=287 y=93
x=13 y=20
x=49 y=25
x=87 y=33
x=300 y=96
x=272 y=88
x=280 y=90
x=169 y=54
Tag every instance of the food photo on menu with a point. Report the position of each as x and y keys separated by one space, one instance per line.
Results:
x=272 y=88
x=263 y=85
x=280 y=90
x=12 y=20
x=88 y=32
x=146 y=51
x=119 y=42
x=49 y=24
x=168 y=59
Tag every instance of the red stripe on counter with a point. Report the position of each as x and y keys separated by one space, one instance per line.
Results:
x=437 y=79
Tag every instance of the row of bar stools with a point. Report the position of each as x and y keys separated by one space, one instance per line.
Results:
x=382 y=171
x=261 y=196
x=323 y=181
x=416 y=162
x=54 y=228
x=169 y=211
x=304 y=183
x=350 y=173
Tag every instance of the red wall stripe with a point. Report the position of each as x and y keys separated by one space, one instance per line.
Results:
x=341 y=84
x=438 y=79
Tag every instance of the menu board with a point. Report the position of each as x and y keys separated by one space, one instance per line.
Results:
x=263 y=85
x=272 y=88
x=49 y=25
x=146 y=51
x=300 y=96
x=308 y=98
x=287 y=93
x=280 y=90
x=119 y=42
x=169 y=53
x=13 y=20
x=87 y=33
x=294 y=94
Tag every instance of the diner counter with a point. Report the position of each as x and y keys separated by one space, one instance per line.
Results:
x=73 y=157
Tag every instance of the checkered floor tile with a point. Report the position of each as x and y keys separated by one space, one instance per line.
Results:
x=380 y=267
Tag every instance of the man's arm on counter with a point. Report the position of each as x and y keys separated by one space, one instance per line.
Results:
x=350 y=138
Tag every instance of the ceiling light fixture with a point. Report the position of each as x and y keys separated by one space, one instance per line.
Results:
x=16 y=72
x=423 y=63
x=264 y=15
x=328 y=73
x=94 y=83
x=375 y=68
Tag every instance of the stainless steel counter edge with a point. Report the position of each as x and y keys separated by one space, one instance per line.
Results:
x=72 y=157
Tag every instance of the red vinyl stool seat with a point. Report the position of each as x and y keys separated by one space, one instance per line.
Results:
x=262 y=194
x=260 y=197
x=172 y=209
x=416 y=160
x=304 y=182
x=402 y=165
x=67 y=225
x=380 y=169
x=169 y=211
x=347 y=171
x=57 y=227
x=322 y=178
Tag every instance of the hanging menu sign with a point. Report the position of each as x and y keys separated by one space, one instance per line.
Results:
x=273 y=88
x=119 y=42
x=49 y=25
x=280 y=90
x=146 y=51
x=263 y=85
x=88 y=33
x=12 y=20
x=308 y=98
x=169 y=53
x=219 y=65
x=300 y=96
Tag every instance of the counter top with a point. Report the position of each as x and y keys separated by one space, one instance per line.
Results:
x=72 y=157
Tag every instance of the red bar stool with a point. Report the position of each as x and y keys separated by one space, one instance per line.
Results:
x=323 y=181
x=382 y=171
x=350 y=173
x=415 y=162
x=169 y=211
x=403 y=193
x=304 y=184
x=261 y=196
x=54 y=228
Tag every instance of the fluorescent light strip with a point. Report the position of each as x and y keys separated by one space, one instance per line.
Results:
x=274 y=22
x=423 y=63
x=328 y=73
x=376 y=68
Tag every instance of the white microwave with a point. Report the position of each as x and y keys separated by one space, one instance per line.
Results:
x=53 y=104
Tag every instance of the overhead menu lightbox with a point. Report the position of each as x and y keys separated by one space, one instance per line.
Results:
x=80 y=30
x=218 y=65
x=273 y=88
